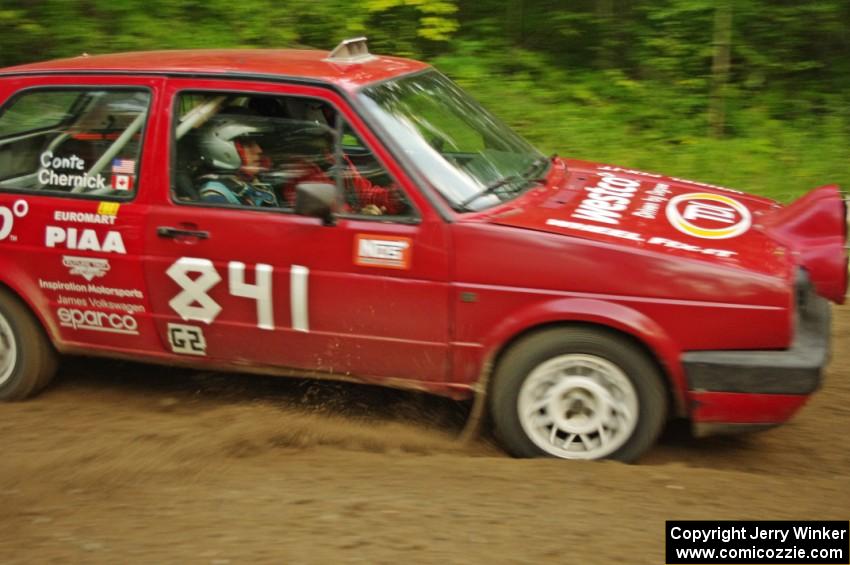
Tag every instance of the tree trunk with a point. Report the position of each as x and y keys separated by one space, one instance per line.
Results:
x=607 y=32
x=515 y=14
x=720 y=67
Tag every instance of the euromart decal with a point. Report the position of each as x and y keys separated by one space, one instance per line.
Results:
x=84 y=217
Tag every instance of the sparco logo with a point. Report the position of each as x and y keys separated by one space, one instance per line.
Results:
x=7 y=217
x=97 y=321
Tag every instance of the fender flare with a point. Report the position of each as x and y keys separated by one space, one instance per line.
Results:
x=15 y=280
x=645 y=331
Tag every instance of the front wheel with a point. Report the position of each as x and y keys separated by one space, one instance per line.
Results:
x=577 y=393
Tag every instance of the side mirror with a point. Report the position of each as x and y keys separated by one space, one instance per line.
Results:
x=316 y=199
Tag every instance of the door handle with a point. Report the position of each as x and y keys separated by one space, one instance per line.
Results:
x=173 y=233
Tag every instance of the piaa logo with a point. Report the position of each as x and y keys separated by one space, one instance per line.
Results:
x=84 y=240
x=7 y=217
x=708 y=216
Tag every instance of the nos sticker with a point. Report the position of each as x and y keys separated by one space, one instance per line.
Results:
x=382 y=251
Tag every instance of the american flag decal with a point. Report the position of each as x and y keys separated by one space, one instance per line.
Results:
x=123 y=167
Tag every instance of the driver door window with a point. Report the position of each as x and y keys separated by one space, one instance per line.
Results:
x=252 y=150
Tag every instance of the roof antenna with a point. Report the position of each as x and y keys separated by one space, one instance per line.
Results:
x=352 y=50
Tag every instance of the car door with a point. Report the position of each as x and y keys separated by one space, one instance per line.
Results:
x=73 y=176
x=263 y=287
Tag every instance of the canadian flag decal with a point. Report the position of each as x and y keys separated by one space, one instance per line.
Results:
x=122 y=182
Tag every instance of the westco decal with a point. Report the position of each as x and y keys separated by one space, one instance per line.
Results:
x=77 y=319
x=607 y=199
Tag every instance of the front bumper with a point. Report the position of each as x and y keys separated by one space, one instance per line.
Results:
x=745 y=390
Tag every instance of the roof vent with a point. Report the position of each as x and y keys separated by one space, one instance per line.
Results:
x=352 y=50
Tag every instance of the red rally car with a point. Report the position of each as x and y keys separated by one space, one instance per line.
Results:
x=348 y=216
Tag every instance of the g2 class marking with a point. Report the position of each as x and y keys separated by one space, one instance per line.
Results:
x=187 y=339
x=7 y=217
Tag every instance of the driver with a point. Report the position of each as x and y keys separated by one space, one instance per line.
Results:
x=228 y=146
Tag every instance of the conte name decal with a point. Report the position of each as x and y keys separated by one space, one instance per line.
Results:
x=78 y=179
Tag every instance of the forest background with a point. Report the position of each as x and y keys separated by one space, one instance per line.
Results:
x=751 y=94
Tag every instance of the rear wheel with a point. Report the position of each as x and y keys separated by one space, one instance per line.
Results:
x=27 y=359
x=577 y=393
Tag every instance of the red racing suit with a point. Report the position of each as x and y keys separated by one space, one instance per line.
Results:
x=360 y=193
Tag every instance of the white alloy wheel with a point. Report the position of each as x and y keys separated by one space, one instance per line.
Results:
x=578 y=406
x=8 y=351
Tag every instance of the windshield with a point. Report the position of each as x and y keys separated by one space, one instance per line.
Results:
x=470 y=157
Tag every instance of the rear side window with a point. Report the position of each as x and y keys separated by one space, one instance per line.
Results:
x=76 y=142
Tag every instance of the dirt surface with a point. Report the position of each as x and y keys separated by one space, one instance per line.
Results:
x=124 y=463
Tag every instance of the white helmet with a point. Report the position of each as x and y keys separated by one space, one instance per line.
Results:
x=217 y=141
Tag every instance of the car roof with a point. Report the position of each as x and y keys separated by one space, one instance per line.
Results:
x=292 y=63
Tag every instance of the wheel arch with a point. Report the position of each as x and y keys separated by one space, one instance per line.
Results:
x=616 y=319
x=15 y=290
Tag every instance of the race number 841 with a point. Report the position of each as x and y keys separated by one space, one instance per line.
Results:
x=197 y=277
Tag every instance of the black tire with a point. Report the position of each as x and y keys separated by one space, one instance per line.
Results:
x=27 y=358
x=578 y=343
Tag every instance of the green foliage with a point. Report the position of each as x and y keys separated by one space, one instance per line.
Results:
x=608 y=117
x=625 y=81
